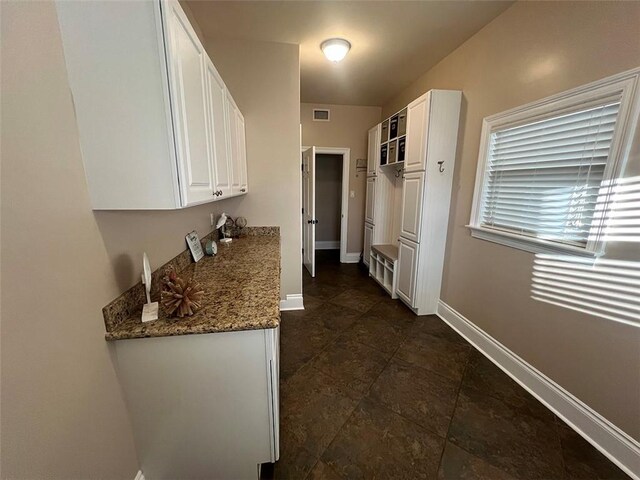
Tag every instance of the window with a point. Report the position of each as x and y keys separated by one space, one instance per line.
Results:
x=544 y=169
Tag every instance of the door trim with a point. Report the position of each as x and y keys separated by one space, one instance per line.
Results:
x=344 y=206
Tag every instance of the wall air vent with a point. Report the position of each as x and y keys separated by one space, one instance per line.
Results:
x=320 y=115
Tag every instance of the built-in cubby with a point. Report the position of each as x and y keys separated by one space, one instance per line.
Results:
x=382 y=267
x=393 y=139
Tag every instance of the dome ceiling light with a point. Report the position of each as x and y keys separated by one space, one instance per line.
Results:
x=335 y=49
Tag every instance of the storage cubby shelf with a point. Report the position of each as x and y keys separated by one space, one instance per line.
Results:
x=382 y=267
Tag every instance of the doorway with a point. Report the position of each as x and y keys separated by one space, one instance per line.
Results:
x=325 y=202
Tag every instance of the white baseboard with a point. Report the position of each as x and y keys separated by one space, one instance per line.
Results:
x=327 y=244
x=139 y=475
x=292 y=302
x=619 y=447
x=351 y=258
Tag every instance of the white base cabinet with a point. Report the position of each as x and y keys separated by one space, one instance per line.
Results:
x=158 y=127
x=202 y=406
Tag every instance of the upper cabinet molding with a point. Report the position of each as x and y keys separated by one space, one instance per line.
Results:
x=156 y=128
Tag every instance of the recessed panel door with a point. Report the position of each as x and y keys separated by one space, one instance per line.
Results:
x=412 y=193
x=369 y=213
x=189 y=108
x=407 y=271
x=218 y=132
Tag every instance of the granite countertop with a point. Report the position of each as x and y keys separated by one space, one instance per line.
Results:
x=242 y=292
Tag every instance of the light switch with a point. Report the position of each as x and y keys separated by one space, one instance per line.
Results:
x=352 y=194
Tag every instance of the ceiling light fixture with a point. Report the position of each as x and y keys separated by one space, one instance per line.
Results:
x=335 y=49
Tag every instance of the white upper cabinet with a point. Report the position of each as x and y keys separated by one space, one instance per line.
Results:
x=373 y=156
x=187 y=79
x=151 y=108
x=218 y=132
x=417 y=124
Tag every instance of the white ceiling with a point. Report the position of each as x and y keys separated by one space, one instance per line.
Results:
x=393 y=42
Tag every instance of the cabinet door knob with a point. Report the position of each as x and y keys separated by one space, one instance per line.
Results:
x=243 y=189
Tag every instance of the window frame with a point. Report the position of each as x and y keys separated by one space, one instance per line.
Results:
x=626 y=86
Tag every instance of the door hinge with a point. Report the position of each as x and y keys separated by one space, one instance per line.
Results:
x=303 y=210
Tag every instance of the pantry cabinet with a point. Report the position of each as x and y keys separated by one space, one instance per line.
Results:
x=158 y=127
x=417 y=148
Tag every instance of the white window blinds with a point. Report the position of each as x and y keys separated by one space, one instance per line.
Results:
x=543 y=178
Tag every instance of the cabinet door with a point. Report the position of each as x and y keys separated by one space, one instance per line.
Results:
x=417 y=121
x=369 y=212
x=187 y=79
x=368 y=236
x=242 y=152
x=407 y=263
x=218 y=132
x=412 y=194
x=373 y=157
x=232 y=126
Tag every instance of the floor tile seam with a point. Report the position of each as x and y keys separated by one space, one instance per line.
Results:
x=410 y=420
x=488 y=393
x=497 y=467
x=386 y=407
x=455 y=407
x=415 y=365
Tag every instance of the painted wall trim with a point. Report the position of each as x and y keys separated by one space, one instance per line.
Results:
x=292 y=302
x=327 y=244
x=616 y=445
x=139 y=475
x=352 y=257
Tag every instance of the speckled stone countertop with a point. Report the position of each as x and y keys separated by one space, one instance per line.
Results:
x=242 y=292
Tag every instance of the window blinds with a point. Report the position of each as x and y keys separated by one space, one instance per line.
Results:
x=544 y=177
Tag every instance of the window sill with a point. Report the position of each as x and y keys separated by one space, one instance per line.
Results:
x=527 y=244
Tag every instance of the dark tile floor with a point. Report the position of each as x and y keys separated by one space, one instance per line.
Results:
x=369 y=390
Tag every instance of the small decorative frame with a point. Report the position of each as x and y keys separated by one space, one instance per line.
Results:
x=194 y=245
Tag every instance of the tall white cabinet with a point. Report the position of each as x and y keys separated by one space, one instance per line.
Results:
x=158 y=127
x=415 y=155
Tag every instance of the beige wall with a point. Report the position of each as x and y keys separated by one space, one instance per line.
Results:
x=264 y=81
x=63 y=414
x=347 y=129
x=533 y=50
x=329 y=197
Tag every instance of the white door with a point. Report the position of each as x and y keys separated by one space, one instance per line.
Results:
x=189 y=108
x=373 y=156
x=309 y=210
x=218 y=132
x=412 y=192
x=368 y=236
x=417 y=120
x=242 y=152
x=369 y=211
x=407 y=262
